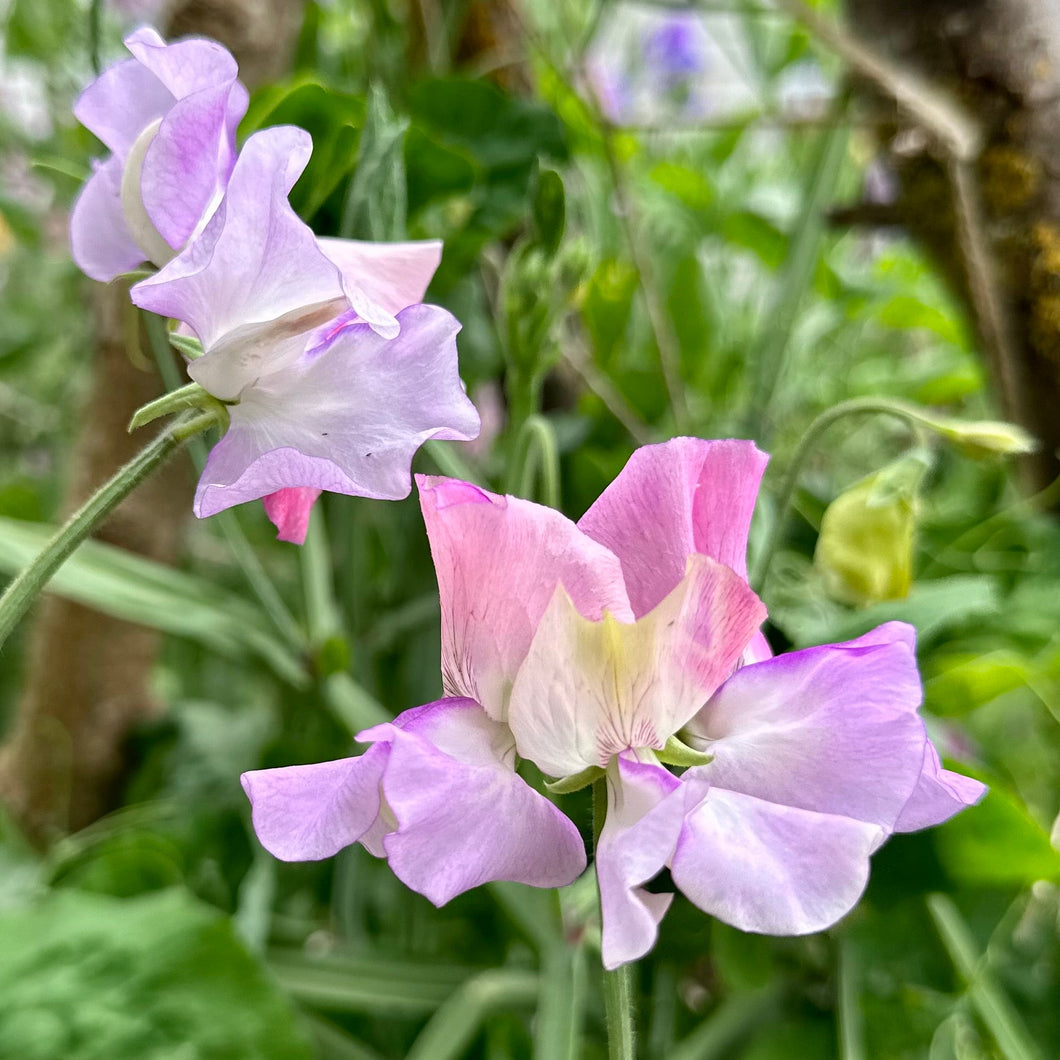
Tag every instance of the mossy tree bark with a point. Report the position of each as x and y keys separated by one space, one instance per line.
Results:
x=1000 y=59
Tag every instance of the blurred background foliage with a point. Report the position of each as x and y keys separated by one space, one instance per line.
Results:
x=638 y=211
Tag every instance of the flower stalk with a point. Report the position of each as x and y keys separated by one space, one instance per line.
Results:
x=618 y=984
x=27 y=586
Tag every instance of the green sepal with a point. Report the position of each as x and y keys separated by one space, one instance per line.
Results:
x=575 y=782
x=187 y=346
x=678 y=753
x=191 y=396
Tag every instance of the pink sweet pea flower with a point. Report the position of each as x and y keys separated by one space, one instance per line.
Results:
x=590 y=646
x=169 y=117
x=334 y=375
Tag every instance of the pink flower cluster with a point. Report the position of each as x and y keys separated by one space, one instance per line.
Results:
x=598 y=648
x=332 y=370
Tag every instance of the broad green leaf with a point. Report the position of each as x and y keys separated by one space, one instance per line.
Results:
x=997 y=844
x=88 y=977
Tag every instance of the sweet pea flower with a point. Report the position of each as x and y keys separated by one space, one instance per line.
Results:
x=608 y=648
x=437 y=793
x=169 y=117
x=333 y=373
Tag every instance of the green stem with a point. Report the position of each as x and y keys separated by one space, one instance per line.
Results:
x=536 y=456
x=854 y=406
x=28 y=585
x=618 y=984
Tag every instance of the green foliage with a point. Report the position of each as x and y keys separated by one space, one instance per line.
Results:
x=157 y=976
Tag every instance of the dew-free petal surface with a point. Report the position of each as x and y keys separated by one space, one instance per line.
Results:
x=100 y=241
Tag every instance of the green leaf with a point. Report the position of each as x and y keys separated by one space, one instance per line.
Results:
x=86 y=976
x=997 y=844
x=549 y=210
x=376 y=200
x=127 y=586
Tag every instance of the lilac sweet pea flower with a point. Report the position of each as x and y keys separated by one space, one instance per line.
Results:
x=609 y=647
x=169 y=117
x=334 y=375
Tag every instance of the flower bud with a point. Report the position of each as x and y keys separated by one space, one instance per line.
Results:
x=865 y=547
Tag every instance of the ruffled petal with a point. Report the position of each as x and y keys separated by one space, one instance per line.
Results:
x=254 y=281
x=288 y=510
x=121 y=103
x=939 y=794
x=645 y=812
x=671 y=501
x=347 y=418
x=589 y=690
x=831 y=729
x=776 y=870
x=463 y=816
x=498 y=561
x=306 y=813
x=185 y=66
x=100 y=241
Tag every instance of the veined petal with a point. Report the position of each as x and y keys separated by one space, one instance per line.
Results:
x=306 y=813
x=674 y=500
x=831 y=729
x=255 y=263
x=188 y=163
x=121 y=103
x=288 y=510
x=185 y=66
x=498 y=561
x=589 y=690
x=346 y=418
x=939 y=794
x=100 y=241
x=464 y=817
x=645 y=813
x=776 y=870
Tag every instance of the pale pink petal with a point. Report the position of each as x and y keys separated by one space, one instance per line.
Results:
x=644 y=797
x=288 y=510
x=939 y=794
x=394 y=275
x=772 y=869
x=589 y=690
x=306 y=813
x=671 y=501
x=346 y=418
x=831 y=729
x=498 y=561
x=100 y=241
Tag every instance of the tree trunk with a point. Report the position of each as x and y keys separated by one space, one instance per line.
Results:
x=1001 y=60
x=64 y=762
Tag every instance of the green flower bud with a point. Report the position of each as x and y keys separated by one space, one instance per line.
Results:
x=865 y=547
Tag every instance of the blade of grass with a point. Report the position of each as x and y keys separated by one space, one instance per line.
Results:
x=767 y=355
x=454 y=1026
x=990 y=1001
x=733 y=1020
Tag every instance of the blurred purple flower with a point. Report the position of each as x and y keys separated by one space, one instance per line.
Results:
x=169 y=117
x=674 y=49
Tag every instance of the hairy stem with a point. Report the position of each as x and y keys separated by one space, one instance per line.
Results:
x=28 y=585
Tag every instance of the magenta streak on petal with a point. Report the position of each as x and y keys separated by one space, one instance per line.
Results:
x=289 y=510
